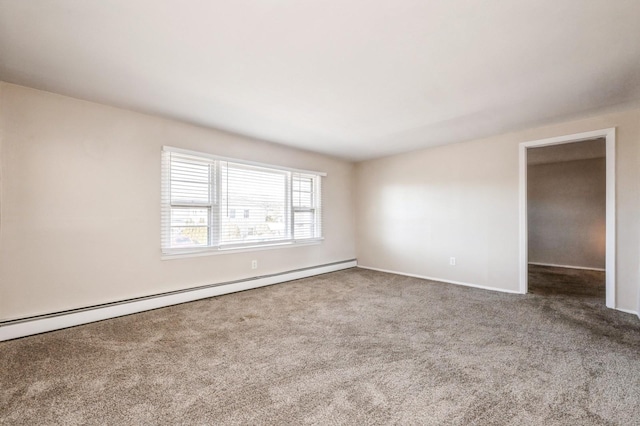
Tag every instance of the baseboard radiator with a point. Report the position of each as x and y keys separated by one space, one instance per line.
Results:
x=13 y=329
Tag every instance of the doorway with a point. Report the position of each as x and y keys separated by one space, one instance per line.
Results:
x=552 y=244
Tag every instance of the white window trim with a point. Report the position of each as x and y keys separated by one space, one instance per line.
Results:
x=177 y=253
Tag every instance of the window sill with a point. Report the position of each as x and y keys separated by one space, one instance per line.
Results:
x=232 y=250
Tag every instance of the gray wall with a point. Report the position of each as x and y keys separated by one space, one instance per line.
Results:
x=566 y=205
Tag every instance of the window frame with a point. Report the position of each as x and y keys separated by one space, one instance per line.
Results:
x=214 y=206
x=315 y=202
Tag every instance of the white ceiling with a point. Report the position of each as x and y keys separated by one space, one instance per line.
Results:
x=353 y=78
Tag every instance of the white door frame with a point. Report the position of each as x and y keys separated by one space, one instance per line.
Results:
x=610 y=255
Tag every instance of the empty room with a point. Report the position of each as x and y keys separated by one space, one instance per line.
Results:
x=566 y=211
x=338 y=212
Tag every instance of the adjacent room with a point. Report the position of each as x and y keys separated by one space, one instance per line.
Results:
x=337 y=212
x=566 y=212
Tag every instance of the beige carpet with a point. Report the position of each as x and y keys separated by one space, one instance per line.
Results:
x=352 y=347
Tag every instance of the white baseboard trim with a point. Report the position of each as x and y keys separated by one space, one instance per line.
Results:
x=567 y=266
x=627 y=311
x=442 y=280
x=55 y=321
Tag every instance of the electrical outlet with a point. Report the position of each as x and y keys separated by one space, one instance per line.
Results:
x=452 y=261
x=254 y=264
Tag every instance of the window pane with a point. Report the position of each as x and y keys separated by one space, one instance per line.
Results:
x=302 y=183
x=189 y=181
x=302 y=191
x=304 y=224
x=261 y=197
x=302 y=199
x=189 y=227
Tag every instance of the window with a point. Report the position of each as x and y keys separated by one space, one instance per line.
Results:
x=212 y=203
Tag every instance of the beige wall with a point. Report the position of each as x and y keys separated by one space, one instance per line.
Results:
x=80 y=205
x=418 y=209
x=80 y=195
x=567 y=211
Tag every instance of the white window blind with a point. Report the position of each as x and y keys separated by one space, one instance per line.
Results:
x=212 y=203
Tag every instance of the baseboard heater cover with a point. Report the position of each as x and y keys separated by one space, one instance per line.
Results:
x=13 y=329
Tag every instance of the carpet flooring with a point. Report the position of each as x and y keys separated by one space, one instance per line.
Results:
x=350 y=347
